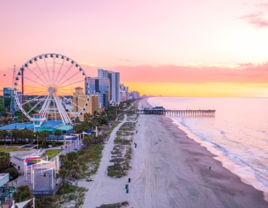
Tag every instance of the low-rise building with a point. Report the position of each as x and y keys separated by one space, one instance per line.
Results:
x=79 y=101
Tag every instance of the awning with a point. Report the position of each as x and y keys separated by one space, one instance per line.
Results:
x=90 y=132
x=47 y=166
x=22 y=204
x=32 y=158
x=70 y=136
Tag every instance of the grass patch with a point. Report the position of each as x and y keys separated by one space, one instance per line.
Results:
x=119 y=140
x=128 y=126
x=124 y=133
x=69 y=193
x=49 y=153
x=115 y=124
x=121 y=117
x=11 y=149
x=121 y=167
x=132 y=116
x=66 y=189
x=53 y=153
x=90 y=158
x=116 y=205
x=103 y=126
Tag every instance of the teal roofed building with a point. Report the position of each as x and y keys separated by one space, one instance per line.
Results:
x=41 y=124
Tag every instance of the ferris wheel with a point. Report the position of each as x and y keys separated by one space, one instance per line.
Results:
x=47 y=83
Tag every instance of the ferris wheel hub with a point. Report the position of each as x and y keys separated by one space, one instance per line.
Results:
x=52 y=89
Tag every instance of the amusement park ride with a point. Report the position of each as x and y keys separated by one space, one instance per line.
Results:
x=50 y=79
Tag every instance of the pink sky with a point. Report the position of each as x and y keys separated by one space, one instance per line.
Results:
x=153 y=41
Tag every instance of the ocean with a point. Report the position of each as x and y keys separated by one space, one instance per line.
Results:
x=238 y=134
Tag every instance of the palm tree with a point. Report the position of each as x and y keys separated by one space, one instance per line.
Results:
x=75 y=170
x=63 y=173
x=86 y=116
x=87 y=140
x=43 y=135
x=58 y=133
x=72 y=156
x=15 y=134
x=62 y=158
x=4 y=134
x=23 y=135
x=5 y=160
x=31 y=136
x=76 y=128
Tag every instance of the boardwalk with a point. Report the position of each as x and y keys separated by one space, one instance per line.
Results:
x=183 y=113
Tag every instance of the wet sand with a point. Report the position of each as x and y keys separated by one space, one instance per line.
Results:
x=172 y=170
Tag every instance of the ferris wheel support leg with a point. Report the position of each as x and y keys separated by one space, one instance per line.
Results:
x=44 y=105
x=55 y=99
x=46 y=108
x=64 y=113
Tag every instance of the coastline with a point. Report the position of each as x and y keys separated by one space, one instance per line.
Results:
x=254 y=179
x=178 y=171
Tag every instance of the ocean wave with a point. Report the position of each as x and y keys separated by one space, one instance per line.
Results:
x=235 y=158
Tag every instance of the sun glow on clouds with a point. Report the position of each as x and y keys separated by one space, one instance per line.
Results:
x=84 y=63
x=200 y=90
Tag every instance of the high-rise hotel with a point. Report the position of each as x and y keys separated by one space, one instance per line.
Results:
x=114 y=78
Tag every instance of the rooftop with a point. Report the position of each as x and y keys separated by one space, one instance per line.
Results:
x=158 y=108
x=64 y=128
x=4 y=178
x=38 y=114
x=51 y=124
x=17 y=126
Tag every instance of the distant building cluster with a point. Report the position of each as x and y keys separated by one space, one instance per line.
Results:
x=108 y=89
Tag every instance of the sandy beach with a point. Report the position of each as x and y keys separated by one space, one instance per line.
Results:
x=170 y=170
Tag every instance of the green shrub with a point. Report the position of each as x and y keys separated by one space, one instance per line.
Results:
x=13 y=172
x=65 y=189
x=45 y=202
x=71 y=197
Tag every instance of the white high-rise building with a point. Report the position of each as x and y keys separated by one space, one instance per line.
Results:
x=114 y=86
x=103 y=73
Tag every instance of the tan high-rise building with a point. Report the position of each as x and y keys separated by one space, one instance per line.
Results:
x=79 y=98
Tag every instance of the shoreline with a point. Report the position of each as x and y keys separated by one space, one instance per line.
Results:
x=219 y=183
x=242 y=172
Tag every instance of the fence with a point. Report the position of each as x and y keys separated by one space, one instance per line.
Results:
x=48 y=192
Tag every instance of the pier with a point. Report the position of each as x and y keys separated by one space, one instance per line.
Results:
x=184 y=113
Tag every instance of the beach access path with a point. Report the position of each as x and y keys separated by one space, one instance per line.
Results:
x=104 y=189
x=169 y=170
